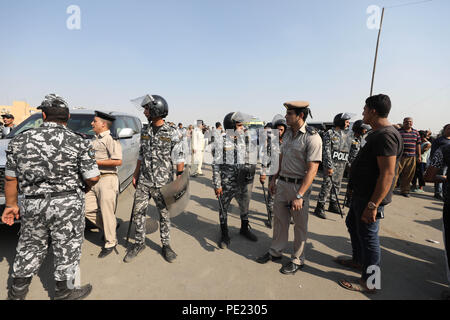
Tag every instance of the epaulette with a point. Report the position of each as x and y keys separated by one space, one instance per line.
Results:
x=311 y=130
x=84 y=136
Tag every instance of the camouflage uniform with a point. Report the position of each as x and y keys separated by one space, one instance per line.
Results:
x=270 y=153
x=156 y=153
x=335 y=155
x=47 y=160
x=354 y=150
x=234 y=171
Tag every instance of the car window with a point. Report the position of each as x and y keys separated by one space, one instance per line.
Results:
x=138 y=124
x=81 y=123
x=33 y=121
x=118 y=125
x=131 y=124
x=77 y=122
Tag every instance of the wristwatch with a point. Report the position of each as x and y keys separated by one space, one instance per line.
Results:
x=371 y=205
x=299 y=196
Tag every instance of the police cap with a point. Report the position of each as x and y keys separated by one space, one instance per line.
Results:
x=296 y=104
x=104 y=116
x=8 y=116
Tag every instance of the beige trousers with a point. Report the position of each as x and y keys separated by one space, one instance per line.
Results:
x=285 y=193
x=101 y=204
x=405 y=172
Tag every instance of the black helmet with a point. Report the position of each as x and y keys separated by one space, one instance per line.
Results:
x=359 y=125
x=268 y=125
x=157 y=106
x=280 y=122
x=339 y=120
x=229 y=123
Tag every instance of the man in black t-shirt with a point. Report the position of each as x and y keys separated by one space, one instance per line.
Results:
x=441 y=159
x=371 y=177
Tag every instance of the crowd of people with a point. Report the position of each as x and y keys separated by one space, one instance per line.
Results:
x=82 y=183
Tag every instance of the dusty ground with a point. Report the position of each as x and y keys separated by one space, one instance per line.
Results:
x=412 y=267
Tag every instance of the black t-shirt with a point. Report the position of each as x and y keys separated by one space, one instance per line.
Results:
x=364 y=170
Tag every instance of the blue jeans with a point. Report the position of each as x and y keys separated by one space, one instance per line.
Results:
x=365 y=242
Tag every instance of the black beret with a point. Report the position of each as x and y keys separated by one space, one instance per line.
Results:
x=104 y=116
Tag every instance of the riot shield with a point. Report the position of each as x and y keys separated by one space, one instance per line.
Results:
x=176 y=194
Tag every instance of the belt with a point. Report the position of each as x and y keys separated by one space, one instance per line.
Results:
x=291 y=180
x=104 y=173
x=52 y=195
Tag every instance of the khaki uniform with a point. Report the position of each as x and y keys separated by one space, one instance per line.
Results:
x=102 y=198
x=297 y=150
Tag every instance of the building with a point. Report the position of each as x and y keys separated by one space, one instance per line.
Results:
x=20 y=110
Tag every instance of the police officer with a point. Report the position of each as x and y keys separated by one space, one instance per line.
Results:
x=359 y=129
x=233 y=174
x=160 y=147
x=101 y=200
x=336 y=148
x=281 y=126
x=301 y=153
x=46 y=165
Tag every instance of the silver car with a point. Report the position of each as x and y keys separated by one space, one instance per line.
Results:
x=127 y=128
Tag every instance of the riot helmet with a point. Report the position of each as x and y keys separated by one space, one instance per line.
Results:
x=228 y=123
x=157 y=106
x=359 y=126
x=340 y=118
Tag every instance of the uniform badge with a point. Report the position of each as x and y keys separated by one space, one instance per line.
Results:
x=165 y=139
x=145 y=137
x=91 y=153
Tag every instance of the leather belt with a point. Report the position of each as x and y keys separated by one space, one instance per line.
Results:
x=52 y=195
x=105 y=173
x=291 y=180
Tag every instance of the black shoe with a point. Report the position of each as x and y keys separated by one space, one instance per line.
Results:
x=106 y=251
x=333 y=207
x=133 y=251
x=168 y=253
x=62 y=291
x=19 y=288
x=224 y=237
x=291 y=268
x=267 y=257
x=245 y=231
x=406 y=195
x=320 y=210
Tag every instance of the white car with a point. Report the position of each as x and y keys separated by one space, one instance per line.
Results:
x=127 y=128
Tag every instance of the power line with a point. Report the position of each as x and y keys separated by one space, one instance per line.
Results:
x=408 y=4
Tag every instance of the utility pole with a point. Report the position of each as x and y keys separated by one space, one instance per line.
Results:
x=376 y=52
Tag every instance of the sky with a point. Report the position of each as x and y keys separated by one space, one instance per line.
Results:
x=209 y=57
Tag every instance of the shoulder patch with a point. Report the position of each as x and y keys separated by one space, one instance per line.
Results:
x=311 y=130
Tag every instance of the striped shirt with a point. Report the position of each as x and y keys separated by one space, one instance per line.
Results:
x=410 y=141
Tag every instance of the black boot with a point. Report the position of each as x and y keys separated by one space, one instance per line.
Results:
x=168 y=253
x=245 y=231
x=224 y=237
x=333 y=207
x=19 y=288
x=63 y=292
x=320 y=210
